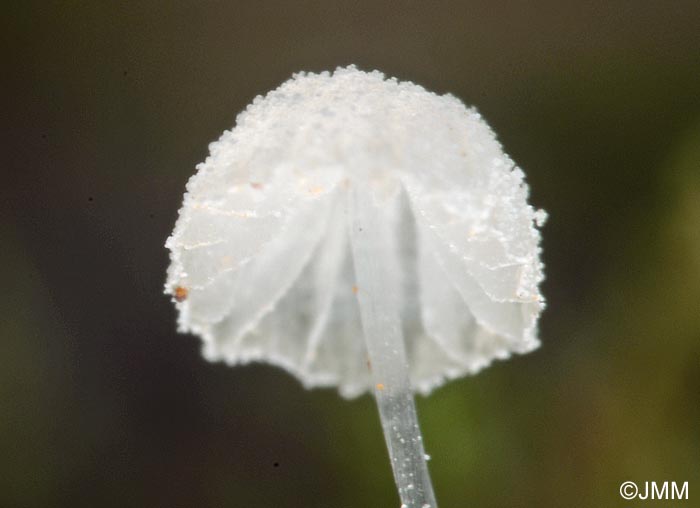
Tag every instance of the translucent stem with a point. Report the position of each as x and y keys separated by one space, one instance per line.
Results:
x=373 y=237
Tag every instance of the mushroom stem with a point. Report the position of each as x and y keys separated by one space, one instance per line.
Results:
x=373 y=221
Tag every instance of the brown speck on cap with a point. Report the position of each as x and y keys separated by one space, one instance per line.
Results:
x=180 y=294
x=256 y=185
x=380 y=386
x=355 y=289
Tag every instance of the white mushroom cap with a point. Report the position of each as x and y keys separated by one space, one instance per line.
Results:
x=261 y=263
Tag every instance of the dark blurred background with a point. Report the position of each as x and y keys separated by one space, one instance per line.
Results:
x=110 y=105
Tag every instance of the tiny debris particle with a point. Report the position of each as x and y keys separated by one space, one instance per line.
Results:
x=256 y=185
x=540 y=218
x=315 y=191
x=276 y=464
x=355 y=289
x=380 y=386
x=180 y=294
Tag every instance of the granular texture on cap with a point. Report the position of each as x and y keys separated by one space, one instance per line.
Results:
x=261 y=246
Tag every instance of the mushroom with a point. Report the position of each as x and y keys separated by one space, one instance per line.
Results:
x=345 y=205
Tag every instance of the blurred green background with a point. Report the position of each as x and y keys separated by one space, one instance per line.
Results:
x=110 y=105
